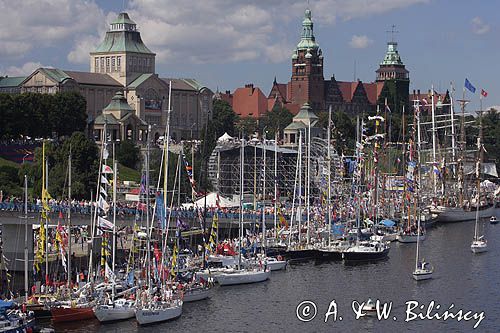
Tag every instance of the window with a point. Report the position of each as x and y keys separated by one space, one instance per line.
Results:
x=107 y=64
x=113 y=63
x=102 y=64
x=96 y=65
x=118 y=63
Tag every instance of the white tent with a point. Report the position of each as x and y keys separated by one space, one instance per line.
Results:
x=212 y=202
x=225 y=138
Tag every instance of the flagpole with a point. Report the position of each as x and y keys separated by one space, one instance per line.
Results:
x=115 y=171
x=433 y=142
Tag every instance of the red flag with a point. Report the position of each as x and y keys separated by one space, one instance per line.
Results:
x=484 y=93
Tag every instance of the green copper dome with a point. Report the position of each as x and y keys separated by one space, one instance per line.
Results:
x=392 y=56
x=307 y=40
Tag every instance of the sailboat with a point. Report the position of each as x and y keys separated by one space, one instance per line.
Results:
x=114 y=309
x=240 y=275
x=157 y=304
x=370 y=250
x=479 y=243
x=423 y=270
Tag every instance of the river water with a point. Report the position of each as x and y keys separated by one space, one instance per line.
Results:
x=469 y=281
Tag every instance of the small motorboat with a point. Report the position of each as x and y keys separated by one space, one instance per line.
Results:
x=12 y=320
x=423 y=271
x=493 y=220
x=275 y=264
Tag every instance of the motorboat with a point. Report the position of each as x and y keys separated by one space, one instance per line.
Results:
x=493 y=220
x=479 y=245
x=366 y=251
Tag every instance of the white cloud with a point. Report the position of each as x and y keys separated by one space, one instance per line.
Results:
x=40 y=23
x=479 y=27
x=360 y=42
x=192 y=31
x=231 y=31
x=23 y=70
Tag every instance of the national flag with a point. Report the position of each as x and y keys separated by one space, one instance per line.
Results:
x=469 y=86
x=484 y=93
x=106 y=169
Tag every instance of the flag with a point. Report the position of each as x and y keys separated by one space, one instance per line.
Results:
x=103 y=223
x=174 y=261
x=104 y=180
x=103 y=191
x=109 y=273
x=103 y=204
x=160 y=210
x=469 y=86
x=106 y=169
x=484 y=93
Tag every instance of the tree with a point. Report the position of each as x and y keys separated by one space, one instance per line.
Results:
x=68 y=113
x=85 y=164
x=247 y=125
x=275 y=120
x=128 y=154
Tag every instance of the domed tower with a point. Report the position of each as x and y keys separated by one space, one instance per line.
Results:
x=307 y=83
x=122 y=54
x=392 y=71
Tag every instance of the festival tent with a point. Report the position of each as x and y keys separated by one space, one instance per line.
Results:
x=212 y=202
x=225 y=138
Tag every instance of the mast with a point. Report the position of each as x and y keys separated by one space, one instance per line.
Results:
x=292 y=217
x=69 y=219
x=463 y=145
x=242 y=169
x=329 y=159
x=434 y=176
x=308 y=184
x=25 y=238
x=359 y=135
x=403 y=201
x=453 y=139
x=419 y=176
x=148 y=144
x=115 y=171
x=264 y=195
x=46 y=191
x=299 y=209
x=276 y=184
x=478 y=166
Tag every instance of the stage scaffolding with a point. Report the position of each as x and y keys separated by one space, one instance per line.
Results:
x=224 y=169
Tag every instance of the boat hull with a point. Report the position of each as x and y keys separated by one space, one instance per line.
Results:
x=243 y=278
x=276 y=265
x=60 y=314
x=330 y=254
x=352 y=256
x=305 y=254
x=419 y=276
x=478 y=249
x=151 y=316
x=194 y=295
x=409 y=238
x=457 y=214
x=109 y=313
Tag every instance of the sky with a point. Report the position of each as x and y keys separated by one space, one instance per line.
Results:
x=226 y=44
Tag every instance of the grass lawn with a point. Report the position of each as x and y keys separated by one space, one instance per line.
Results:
x=125 y=173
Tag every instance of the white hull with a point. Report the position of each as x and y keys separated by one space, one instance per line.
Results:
x=276 y=265
x=420 y=275
x=243 y=277
x=197 y=294
x=478 y=248
x=159 y=314
x=456 y=214
x=409 y=238
x=108 y=313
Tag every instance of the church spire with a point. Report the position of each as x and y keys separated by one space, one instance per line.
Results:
x=307 y=39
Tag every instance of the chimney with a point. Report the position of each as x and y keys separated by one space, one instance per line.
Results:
x=413 y=92
x=228 y=92
x=418 y=91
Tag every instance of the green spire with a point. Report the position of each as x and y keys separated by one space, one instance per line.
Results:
x=307 y=40
x=392 y=56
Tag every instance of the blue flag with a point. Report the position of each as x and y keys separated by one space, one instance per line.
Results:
x=469 y=86
x=160 y=210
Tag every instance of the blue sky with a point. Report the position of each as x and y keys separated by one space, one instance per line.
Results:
x=228 y=43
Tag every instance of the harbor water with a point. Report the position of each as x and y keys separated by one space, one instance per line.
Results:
x=466 y=280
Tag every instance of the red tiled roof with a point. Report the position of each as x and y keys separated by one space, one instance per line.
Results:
x=270 y=103
x=293 y=108
x=249 y=102
x=371 y=92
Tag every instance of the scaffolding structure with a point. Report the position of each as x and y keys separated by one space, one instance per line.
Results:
x=224 y=169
